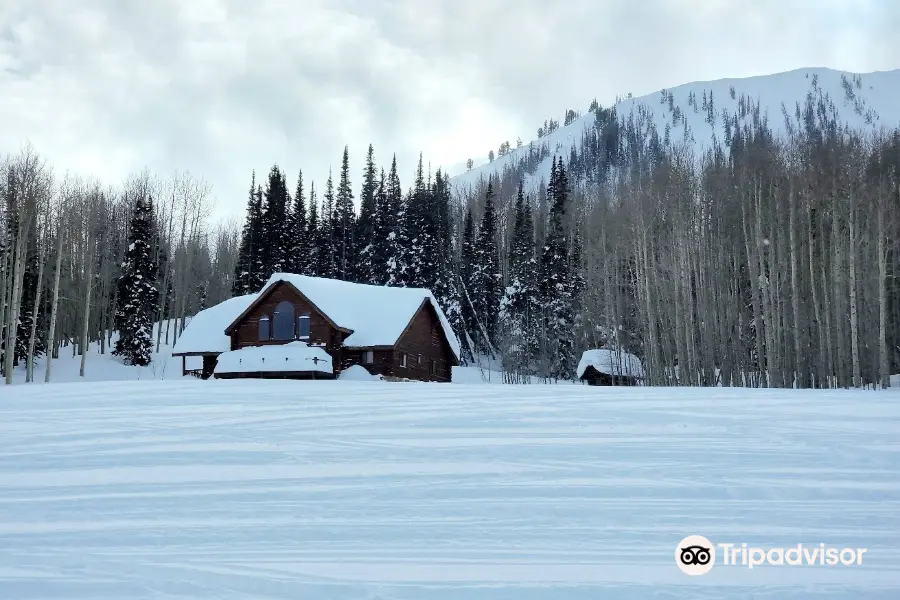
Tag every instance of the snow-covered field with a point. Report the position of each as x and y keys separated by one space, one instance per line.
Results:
x=370 y=490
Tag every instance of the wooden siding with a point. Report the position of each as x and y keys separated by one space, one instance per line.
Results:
x=320 y=330
x=424 y=337
x=382 y=363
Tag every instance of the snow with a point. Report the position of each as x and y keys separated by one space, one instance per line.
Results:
x=291 y=357
x=358 y=373
x=376 y=314
x=106 y=367
x=878 y=92
x=611 y=362
x=205 y=332
x=341 y=490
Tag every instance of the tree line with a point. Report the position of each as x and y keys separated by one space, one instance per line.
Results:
x=761 y=260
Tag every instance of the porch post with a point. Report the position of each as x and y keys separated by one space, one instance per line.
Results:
x=183 y=365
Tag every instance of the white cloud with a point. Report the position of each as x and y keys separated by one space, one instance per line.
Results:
x=220 y=87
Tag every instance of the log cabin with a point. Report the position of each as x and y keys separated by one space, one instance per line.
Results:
x=302 y=327
x=608 y=366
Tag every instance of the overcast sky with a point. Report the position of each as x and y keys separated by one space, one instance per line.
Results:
x=220 y=87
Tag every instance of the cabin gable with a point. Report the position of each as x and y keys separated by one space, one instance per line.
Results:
x=422 y=351
x=284 y=309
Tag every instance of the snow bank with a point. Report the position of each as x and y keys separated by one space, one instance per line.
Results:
x=205 y=332
x=358 y=373
x=611 y=362
x=376 y=314
x=282 y=358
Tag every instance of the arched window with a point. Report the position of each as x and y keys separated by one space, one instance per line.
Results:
x=264 y=328
x=303 y=326
x=284 y=321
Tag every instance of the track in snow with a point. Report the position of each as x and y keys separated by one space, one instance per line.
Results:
x=345 y=490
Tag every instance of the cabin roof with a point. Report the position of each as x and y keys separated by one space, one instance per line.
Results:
x=205 y=332
x=611 y=362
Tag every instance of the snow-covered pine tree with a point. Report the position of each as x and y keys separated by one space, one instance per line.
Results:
x=520 y=304
x=397 y=238
x=345 y=224
x=466 y=270
x=417 y=247
x=486 y=276
x=137 y=293
x=556 y=284
x=297 y=233
x=327 y=259
x=367 y=272
x=445 y=287
x=383 y=225
x=313 y=266
x=28 y=306
x=244 y=274
x=275 y=225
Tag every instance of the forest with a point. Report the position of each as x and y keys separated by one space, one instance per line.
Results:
x=763 y=262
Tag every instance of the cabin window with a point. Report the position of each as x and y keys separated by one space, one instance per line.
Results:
x=303 y=326
x=264 y=328
x=403 y=359
x=284 y=321
x=432 y=367
x=368 y=357
x=419 y=360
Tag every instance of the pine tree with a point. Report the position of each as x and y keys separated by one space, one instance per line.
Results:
x=418 y=257
x=486 y=276
x=466 y=270
x=445 y=287
x=381 y=242
x=556 y=283
x=137 y=292
x=520 y=305
x=312 y=235
x=366 y=225
x=397 y=238
x=275 y=225
x=297 y=234
x=344 y=224
x=28 y=305
x=244 y=275
x=328 y=266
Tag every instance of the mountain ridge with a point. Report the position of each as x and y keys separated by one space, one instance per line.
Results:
x=862 y=101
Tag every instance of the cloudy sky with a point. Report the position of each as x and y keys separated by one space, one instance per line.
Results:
x=220 y=87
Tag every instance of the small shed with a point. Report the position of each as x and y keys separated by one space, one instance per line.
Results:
x=610 y=366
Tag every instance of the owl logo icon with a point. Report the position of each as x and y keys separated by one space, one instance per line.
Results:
x=695 y=555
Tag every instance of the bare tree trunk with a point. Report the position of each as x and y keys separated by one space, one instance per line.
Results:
x=51 y=333
x=87 y=306
x=854 y=314
x=883 y=363
x=29 y=361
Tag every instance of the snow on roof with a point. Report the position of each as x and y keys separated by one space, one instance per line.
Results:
x=376 y=314
x=205 y=332
x=293 y=357
x=611 y=362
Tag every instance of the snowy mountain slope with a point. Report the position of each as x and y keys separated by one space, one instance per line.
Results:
x=863 y=101
x=368 y=491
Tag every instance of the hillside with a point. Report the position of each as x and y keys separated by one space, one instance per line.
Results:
x=862 y=101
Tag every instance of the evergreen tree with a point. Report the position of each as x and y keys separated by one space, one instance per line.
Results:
x=368 y=271
x=556 y=283
x=344 y=224
x=276 y=249
x=137 y=292
x=520 y=305
x=297 y=234
x=28 y=304
x=418 y=250
x=244 y=274
x=445 y=287
x=466 y=271
x=383 y=226
x=397 y=238
x=486 y=276
x=312 y=235
x=328 y=266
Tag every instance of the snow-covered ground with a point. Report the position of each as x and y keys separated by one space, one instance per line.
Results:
x=413 y=491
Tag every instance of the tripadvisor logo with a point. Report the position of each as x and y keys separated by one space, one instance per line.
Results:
x=696 y=555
